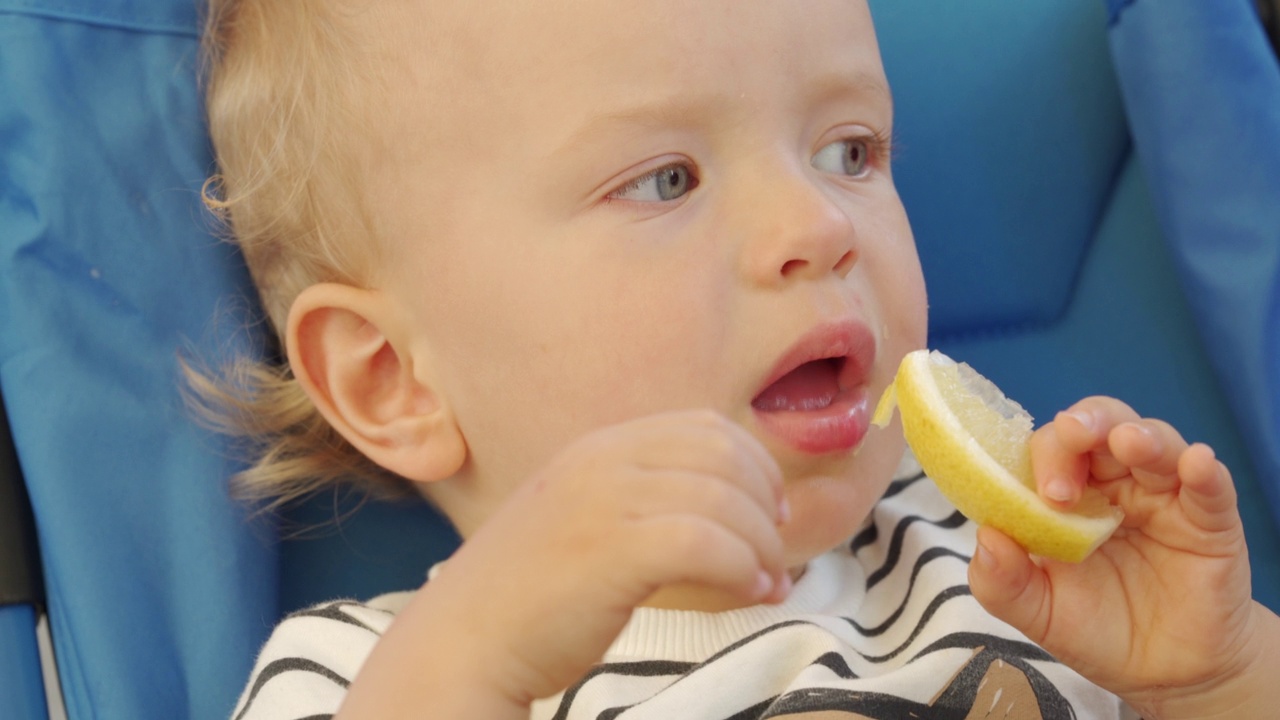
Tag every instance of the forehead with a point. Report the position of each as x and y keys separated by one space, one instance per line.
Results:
x=585 y=56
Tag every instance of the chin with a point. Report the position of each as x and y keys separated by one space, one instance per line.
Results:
x=827 y=510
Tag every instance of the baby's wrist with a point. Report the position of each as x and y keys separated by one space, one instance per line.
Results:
x=1245 y=689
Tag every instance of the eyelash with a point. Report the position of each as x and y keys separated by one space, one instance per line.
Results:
x=879 y=145
x=636 y=183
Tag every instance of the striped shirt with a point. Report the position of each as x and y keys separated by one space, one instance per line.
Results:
x=884 y=627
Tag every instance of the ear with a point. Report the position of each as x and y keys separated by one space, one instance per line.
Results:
x=352 y=355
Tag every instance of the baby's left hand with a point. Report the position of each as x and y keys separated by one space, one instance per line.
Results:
x=1160 y=614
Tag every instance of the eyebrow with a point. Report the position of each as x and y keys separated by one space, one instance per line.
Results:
x=672 y=112
x=861 y=84
x=677 y=111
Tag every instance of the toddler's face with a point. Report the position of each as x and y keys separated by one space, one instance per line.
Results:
x=602 y=210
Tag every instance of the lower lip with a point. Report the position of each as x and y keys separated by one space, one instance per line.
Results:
x=837 y=427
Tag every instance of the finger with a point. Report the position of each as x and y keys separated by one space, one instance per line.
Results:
x=692 y=549
x=1208 y=494
x=1009 y=585
x=680 y=493
x=1060 y=474
x=1084 y=427
x=1151 y=449
x=1094 y=417
x=764 y=460
x=706 y=442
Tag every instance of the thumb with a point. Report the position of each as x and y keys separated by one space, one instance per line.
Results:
x=1009 y=585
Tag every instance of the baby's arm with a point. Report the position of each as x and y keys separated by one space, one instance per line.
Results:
x=536 y=596
x=1161 y=614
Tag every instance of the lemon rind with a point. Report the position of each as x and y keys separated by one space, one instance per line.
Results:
x=955 y=462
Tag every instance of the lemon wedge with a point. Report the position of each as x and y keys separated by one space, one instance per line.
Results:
x=973 y=442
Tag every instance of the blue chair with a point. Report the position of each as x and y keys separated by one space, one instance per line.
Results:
x=1053 y=260
x=1119 y=179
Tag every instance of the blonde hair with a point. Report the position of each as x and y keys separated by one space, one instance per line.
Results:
x=288 y=85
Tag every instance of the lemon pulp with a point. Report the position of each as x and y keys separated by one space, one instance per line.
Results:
x=972 y=441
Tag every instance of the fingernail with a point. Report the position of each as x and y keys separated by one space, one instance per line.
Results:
x=985 y=559
x=784 y=587
x=1149 y=433
x=1059 y=490
x=1084 y=418
x=784 y=511
x=764 y=584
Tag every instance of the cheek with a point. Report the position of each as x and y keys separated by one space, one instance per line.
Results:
x=550 y=352
x=893 y=269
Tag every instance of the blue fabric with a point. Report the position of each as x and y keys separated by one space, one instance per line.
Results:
x=1202 y=89
x=1010 y=133
x=21 y=686
x=159 y=591
x=1131 y=335
x=149 y=16
x=1045 y=265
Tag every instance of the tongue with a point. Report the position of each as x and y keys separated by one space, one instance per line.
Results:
x=811 y=386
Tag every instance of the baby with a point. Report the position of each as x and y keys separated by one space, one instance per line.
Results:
x=614 y=284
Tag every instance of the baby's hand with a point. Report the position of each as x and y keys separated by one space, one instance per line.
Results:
x=1161 y=614
x=678 y=499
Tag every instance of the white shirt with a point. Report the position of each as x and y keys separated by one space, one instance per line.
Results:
x=883 y=627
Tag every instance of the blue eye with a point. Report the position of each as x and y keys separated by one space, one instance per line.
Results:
x=664 y=184
x=844 y=157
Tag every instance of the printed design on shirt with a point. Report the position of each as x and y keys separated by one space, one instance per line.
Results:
x=996 y=682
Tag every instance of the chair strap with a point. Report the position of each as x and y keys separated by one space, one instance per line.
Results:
x=21 y=582
x=1269 y=11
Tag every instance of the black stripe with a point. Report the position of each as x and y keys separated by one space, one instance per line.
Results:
x=950 y=522
x=753 y=637
x=1006 y=647
x=276 y=668
x=657 y=667
x=954 y=702
x=835 y=662
x=870 y=533
x=938 y=601
x=333 y=611
x=868 y=536
x=926 y=557
x=648 y=668
x=901 y=484
x=861 y=704
x=752 y=713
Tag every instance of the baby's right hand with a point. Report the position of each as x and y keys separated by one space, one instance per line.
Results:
x=668 y=500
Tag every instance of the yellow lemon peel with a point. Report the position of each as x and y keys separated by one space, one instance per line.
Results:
x=973 y=442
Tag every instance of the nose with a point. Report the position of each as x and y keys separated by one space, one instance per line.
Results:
x=795 y=231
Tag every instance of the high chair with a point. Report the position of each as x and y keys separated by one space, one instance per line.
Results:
x=1080 y=234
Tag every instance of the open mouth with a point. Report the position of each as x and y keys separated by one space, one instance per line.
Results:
x=811 y=386
x=815 y=399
